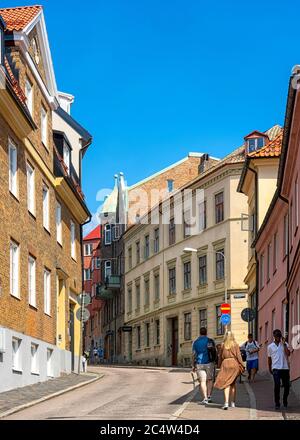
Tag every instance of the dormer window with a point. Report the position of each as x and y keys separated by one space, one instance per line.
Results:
x=255 y=141
x=255 y=144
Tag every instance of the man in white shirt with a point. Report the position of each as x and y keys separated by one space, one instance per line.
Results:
x=278 y=353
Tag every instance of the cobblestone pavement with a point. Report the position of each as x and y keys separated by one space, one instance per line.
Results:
x=22 y=396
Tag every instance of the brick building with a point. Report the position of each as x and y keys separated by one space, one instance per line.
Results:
x=92 y=277
x=42 y=208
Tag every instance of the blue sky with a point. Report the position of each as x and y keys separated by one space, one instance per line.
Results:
x=155 y=79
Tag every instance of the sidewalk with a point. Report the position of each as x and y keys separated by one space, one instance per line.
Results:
x=21 y=398
x=254 y=402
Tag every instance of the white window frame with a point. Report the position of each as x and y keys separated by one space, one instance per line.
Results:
x=14 y=269
x=107 y=268
x=13 y=167
x=58 y=223
x=47 y=292
x=107 y=234
x=29 y=95
x=34 y=364
x=30 y=188
x=87 y=274
x=88 y=249
x=73 y=240
x=46 y=204
x=32 y=280
x=44 y=126
x=16 y=354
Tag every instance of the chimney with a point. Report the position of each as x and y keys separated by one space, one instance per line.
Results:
x=203 y=163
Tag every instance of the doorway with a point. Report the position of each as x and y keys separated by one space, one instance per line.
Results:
x=174 y=341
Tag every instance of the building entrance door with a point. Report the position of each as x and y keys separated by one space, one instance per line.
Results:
x=174 y=340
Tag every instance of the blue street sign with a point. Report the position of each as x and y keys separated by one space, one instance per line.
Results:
x=225 y=319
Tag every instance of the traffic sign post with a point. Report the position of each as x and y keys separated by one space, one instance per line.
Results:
x=225 y=309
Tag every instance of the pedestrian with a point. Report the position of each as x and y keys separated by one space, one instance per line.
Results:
x=251 y=349
x=231 y=366
x=278 y=353
x=204 y=358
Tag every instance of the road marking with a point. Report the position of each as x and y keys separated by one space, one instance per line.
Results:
x=178 y=413
x=253 y=410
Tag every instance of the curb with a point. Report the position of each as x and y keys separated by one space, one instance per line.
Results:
x=140 y=367
x=50 y=396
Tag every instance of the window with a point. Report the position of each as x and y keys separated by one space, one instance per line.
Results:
x=34 y=359
x=156 y=240
x=157 y=331
x=138 y=296
x=147 y=334
x=156 y=287
x=147 y=249
x=273 y=320
x=296 y=203
x=255 y=144
x=98 y=262
x=46 y=207
x=147 y=292
x=87 y=274
x=88 y=249
x=13 y=168
x=29 y=96
x=16 y=354
x=170 y=185
x=73 y=240
x=262 y=271
x=268 y=262
x=58 y=224
x=187 y=275
x=47 y=292
x=129 y=295
x=203 y=318
x=266 y=331
x=284 y=317
x=14 y=269
x=202 y=270
x=130 y=257
x=138 y=338
x=30 y=189
x=220 y=327
x=172 y=281
x=172 y=231
x=107 y=235
x=275 y=252
x=220 y=265
x=138 y=252
x=67 y=156
x=32 y=280
x=292 y=224
x=107 y=269
x=187 y=326
x=298 y=306
x=219 y=207
x=49 y=362
x=116 y=232
x=187 y=224
x=286 y=235
x=44 y=127
x=202 y=216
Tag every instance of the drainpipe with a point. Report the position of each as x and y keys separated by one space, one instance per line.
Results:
x=287 y=318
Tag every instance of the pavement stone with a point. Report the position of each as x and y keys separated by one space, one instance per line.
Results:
x=22 y=396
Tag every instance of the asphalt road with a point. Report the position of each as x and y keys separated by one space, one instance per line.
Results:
x=123 y=393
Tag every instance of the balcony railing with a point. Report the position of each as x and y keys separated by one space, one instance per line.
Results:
x=113 y=282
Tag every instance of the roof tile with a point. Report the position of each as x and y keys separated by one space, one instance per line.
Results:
x=18 y=18
x=272 y=149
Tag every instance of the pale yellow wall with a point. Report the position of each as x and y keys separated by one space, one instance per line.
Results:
x=267 y=181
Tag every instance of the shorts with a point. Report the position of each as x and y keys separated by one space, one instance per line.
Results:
x=252 y=364
x=205 y=372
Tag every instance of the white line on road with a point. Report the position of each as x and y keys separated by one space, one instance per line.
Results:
x=253 y=410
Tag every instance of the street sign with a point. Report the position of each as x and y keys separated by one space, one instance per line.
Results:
x=225 y=319
x=83 y=314
x=127 y=328
x=84 y=299
x=225 y=309
x=248 y=315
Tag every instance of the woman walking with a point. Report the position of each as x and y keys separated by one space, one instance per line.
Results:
x=231 y=366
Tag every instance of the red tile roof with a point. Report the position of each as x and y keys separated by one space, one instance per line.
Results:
x=272 y=149
x=18 y=18
x=94 y=234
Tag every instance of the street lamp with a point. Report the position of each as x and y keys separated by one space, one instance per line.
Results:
x=191 y=250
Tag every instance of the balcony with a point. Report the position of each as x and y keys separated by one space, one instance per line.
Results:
x=113 y=282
